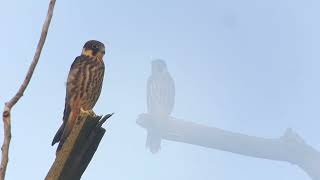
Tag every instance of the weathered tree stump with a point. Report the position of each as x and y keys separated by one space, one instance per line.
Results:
x=77 y=151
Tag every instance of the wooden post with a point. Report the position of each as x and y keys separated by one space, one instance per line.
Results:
x=288 y=148
x=77 y=151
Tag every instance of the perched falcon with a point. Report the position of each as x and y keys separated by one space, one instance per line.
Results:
x=84 y=85
x=160 y=102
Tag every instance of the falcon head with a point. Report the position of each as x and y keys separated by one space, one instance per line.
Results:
x=94 y=49
x=158 y=66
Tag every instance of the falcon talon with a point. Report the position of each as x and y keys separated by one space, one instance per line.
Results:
x=92 y=113
x=88 y=112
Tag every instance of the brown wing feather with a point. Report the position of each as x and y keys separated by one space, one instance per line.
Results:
x=72 y=90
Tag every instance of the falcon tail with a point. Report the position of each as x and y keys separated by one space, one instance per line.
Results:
x=153 y=142
x=58 y=135
x=66 y=127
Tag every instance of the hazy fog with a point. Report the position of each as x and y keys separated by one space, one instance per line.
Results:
x=248 y=67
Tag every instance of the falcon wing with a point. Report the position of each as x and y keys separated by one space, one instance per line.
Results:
x=70 y=91
x=160 y=94
x=169 y=94
x=73 y=86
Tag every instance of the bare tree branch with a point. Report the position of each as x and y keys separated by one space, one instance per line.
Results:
x=19 y=94
x=288 y=148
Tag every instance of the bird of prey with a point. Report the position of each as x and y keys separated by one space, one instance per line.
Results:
x=160 y=102
x=83 y=89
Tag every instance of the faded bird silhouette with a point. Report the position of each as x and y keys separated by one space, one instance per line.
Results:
x=160 y=102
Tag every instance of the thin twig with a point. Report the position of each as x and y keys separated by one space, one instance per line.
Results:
x=19 y=94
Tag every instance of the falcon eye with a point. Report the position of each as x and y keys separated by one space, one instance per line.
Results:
x=94 y=46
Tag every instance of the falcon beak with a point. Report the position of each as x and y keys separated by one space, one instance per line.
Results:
x=103 y=50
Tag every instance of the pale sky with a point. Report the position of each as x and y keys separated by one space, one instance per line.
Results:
x=245 y=66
